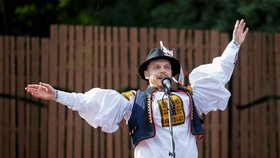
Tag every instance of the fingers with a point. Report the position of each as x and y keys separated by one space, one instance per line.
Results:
x=37 y=95
x=240 y=31
x=36 y=89
x=40 y=85
x=45 y=84
x=246 y=31
x=236 y=24
x=240 y=25
x=31 y=90
x=32 y=86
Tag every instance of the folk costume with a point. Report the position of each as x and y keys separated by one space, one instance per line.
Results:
x=146 y=112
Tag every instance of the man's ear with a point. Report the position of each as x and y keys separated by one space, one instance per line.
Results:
x=147 y=75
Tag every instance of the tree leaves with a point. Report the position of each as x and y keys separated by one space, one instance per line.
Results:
x=33 y=17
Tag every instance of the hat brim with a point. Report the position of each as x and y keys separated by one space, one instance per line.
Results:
x=175 y=64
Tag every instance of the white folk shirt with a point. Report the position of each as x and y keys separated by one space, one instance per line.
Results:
x=105 y=108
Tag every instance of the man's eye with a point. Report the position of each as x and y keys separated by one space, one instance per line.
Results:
x=168 y=67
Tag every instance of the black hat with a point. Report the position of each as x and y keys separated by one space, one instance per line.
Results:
x=155 y=54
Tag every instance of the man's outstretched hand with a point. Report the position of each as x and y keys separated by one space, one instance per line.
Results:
x=41 y=90
x=240 y=31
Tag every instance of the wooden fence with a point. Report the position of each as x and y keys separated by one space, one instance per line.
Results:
x=77 y=58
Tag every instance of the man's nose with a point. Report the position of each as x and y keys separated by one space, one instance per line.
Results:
x=162 y=70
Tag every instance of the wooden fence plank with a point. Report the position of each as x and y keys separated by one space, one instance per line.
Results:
x=1 y=98
x=194 y=41
x=96 y=84
x=44 y=110
x=101 y=70
x=34 y=110
x=124 y=83
x=116 y=75
x=173 y=44
x=109 y=55
x=152 y=41
x=271 y=78
x=79 y=88
x=202 y=144
x=88 y=85
x=213 y=116
x=235 y=114
x=124 y=56
x=13 y=89
x=116 y=56
x=257 y=117
x=62 y=37
x=70 y=85
x=96 y=56
x=102 y=82
x=133 y=76
x=254 y=71
x=27 y=107
x=249 y=44
x=263 y=111
x=182 y=52
x=35 y=54
x=53 y=107
x=21 y=105
x=224 y=117
x=6 y=103
x=244 y=58
x=198 y=60
x=277 y=93
x=173 y=41
x=109 y=78
x=190 y=50
x=161 y=35
x=143 y=50
x=251 y=114
x=261 y=145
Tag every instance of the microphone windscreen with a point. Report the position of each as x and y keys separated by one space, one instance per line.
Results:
x=166 y=82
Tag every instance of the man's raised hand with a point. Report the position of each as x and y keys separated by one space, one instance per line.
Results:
x=41 y=90
x=240 y=32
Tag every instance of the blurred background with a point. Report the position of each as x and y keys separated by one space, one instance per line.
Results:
x=33 y=17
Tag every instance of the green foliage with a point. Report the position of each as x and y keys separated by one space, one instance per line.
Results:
x=33 y=17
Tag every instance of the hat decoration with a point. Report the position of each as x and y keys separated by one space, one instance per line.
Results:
x=165 y=50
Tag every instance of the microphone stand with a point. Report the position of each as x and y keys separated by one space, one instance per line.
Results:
x=170 y=114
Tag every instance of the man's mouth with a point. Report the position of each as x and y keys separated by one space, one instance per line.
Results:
x=161 y=77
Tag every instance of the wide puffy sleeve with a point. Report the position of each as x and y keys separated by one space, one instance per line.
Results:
x=208 y=81
x=103 y=108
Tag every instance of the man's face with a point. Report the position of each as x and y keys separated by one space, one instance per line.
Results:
x=157 y=70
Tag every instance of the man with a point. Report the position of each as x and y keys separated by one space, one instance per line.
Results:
x=147 y=113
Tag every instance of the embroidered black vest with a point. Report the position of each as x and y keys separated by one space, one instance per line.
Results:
x=141 y=124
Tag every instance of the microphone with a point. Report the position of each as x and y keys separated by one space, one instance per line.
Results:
x=166 y=82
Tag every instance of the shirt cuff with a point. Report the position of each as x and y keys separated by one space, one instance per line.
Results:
x=236 y=43
x=231 y=52
x=64 y=98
